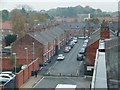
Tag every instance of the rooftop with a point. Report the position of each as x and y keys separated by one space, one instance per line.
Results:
x=99 y=80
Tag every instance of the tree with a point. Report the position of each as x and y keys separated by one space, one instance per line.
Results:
x=5 y=15
x=9 y=39
x=36 y=17
x=18 y=22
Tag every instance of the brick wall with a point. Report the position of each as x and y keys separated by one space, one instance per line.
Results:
x=105 y=35
x=25 y=74
x=7 y=66
x=19 y=46
x=19 y=79
x=91 y=53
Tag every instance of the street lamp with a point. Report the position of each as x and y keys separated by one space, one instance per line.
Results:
x=15 y=61
x=33 y=50
x=26 y=55
x=1 y=57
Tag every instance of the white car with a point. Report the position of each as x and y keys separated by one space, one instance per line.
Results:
x=86 y=41
x=9 y=73
x=60 y=57
x=3 y=80
x=74 y=40
x=84 y=45
x=6 y=76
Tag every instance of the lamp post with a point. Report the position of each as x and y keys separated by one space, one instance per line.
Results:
x=1 y=57
x=33 y=50
x=15 y=61
x=26 y=55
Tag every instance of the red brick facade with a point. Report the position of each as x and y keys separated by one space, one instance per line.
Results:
x=91 y=53
x=19 y=46
x=25 y=74
x=91 y=49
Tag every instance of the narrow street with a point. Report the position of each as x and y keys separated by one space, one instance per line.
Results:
x=68 y=71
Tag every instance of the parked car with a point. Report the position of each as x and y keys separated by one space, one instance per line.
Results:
x=9 y=73
x=82 y=51
x=6 y=76
x=3 y=80
x=86 y=41
x=48 y=61
x=60 y=57
x=42 y=65
x=67 y=49
x=85 y=45
x=71 y=44
x=80 y=57
x=75 y=39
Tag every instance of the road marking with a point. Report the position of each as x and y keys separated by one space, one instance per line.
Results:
x=79 y=68
x=52 y=66
x=38 y=82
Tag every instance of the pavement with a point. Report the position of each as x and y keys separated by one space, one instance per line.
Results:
x=31 y=82
x=34 y=80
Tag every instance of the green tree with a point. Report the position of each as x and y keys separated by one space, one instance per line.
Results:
x=5 y=15
x=9 y=39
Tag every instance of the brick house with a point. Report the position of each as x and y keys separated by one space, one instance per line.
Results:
x=6 y=27
x=19 y=46
x=93 y=44
x=59 y=35
x=46 y=44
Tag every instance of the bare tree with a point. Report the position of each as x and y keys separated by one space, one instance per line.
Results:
x=18 y=21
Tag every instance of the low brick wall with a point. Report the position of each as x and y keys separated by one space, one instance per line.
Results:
x=25 y=74
x=7 y=66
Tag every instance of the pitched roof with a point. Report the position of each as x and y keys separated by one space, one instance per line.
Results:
x=96 y=36
x=46 y=36
x=38 y=37
x=7 y=25
x=56 y=31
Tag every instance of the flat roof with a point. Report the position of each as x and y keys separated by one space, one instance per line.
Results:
x=101 y=75
x=99 y=79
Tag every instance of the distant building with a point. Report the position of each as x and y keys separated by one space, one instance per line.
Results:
x=6 y=27
x=84 y=16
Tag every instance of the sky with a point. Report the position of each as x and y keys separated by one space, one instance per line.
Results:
x=105 y=5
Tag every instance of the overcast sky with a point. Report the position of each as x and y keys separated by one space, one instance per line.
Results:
x=105 y=5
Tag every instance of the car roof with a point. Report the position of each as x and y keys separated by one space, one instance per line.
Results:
x=7 y=72
x=5 y=75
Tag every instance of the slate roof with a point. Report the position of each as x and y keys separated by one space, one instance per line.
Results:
x=46 y=36
x=77 y=26
x=56 y=31
x=38 y=37
x=96 y=36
